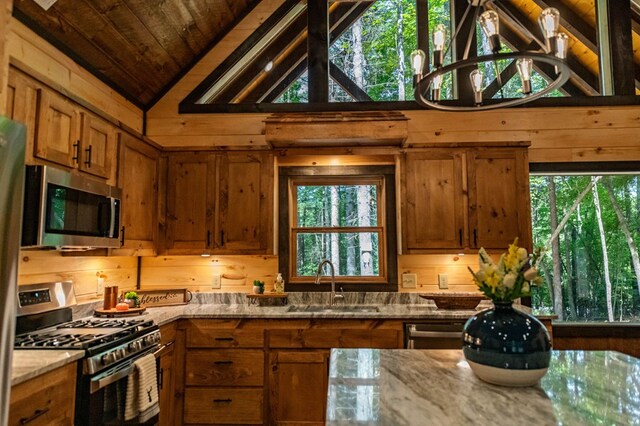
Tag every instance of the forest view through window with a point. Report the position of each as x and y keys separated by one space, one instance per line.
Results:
x=338 y=219
x=590 y=228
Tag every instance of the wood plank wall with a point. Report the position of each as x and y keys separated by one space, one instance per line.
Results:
x=47 y=266
x=35 y=56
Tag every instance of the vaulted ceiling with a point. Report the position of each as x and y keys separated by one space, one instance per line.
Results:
x=141 y=47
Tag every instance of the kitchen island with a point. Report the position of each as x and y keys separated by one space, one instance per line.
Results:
x=417 y=387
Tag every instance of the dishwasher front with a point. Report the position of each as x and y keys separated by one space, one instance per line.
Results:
x=433 y=335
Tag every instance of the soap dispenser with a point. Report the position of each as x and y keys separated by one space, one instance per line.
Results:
x=279 y=284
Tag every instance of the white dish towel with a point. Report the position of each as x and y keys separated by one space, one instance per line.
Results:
x=142 y=390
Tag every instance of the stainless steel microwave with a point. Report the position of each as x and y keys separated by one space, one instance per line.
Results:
x=68 y=211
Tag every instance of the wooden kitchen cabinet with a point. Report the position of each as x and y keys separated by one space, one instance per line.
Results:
x=465 y=199
x=22 y=105
x=97 y=146
x=58 y=130
x=166 y=375
x=46 y=400
x=219 y=203
x=191 y=188
x=245 y=202
x=138 y=178
x=298 y=382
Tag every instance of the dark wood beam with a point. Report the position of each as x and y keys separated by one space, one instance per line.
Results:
x=582 y=82
x=620 y=47
x=463 y=84
x=318 y=51
x=348 y=84
x=422 y=29
x=289 y=70
x=516 y=43
x=635 y=17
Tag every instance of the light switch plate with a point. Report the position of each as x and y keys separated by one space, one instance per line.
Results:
x=409 y=280
x=443 y=280
x=217 y=281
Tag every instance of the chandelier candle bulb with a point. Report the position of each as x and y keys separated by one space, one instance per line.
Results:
x=418 y=58
x=439 y=37
x=525 y=66
x=489 y=23
x=549 y=21
x=476 y=82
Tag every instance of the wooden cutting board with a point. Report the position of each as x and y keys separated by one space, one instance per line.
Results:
x=112 y=313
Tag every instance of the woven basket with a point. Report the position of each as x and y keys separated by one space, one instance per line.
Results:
x=455 y=300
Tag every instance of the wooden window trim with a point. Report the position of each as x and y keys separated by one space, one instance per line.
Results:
x=387 y=245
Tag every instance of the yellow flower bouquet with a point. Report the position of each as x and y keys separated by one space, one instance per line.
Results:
x=512 y=277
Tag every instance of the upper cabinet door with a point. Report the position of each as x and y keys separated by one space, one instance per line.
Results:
x=190 y=203
x=98 y=146
x=499 y=208
x=434 y=211
x=245 y=202
x=57 y=138
x=22 y=104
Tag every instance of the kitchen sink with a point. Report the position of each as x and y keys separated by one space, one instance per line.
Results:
x=335 y=308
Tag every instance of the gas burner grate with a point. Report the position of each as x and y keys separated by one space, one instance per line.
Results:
x=101 y=323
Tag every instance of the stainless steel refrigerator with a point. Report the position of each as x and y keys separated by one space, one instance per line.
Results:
x=12 y=148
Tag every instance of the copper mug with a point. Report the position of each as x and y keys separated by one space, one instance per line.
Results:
x=110 y=297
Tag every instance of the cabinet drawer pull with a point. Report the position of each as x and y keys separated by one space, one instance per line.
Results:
x=208 y=238
x=122 y=237
x=222 y=237
x=161 y=379
x=223 y=339
x=35 y=415
x=88 y=160
x=227 y=401
x=460 y=236
x=223 y=362
x=475 y=238
x=76 y=149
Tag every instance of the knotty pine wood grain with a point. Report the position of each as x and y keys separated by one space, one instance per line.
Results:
x=5 y=20
x=44 y=266
x=35 y=56
x=196 y=273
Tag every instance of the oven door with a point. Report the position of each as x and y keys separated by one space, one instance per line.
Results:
x=100 y=399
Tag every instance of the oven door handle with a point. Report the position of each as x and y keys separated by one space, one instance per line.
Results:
x=110 y=377
x=435 y=334
x=162 y=350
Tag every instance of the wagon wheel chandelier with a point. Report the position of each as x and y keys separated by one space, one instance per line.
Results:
x=427 y=88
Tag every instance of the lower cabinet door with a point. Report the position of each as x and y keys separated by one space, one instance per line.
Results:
x=298 y=386
x=223 y=406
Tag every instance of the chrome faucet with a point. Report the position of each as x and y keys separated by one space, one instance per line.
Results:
x=334 y=297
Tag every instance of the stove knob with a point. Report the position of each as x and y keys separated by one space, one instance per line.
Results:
x=121 y=353
x=108 y=358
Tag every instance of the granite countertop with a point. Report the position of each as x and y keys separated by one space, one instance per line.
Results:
x=407 y=387
x=30 y=363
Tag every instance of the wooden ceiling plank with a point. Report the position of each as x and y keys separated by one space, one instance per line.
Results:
x=158 y=25
x=51 y=24
x=182 y=21
x=96 y=28
x=132 y=29
x=210 y=16
x=573 y=23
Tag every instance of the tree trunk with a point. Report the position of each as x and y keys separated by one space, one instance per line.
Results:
x=400 y=50
x=605 y=254
x=575 y=205
x=571 y=278
x=624 y=225
x=364 y=219
x=335 y=221
x=358 y=56
x=558 y=307
x=351 y=219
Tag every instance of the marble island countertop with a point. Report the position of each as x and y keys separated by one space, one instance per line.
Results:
x=417 y=387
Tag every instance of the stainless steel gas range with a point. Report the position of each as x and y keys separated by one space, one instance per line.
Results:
x=111 y=347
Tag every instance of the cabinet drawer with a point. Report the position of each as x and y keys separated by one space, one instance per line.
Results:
x=45 y=400
x=220 y=338
x=335 y=338
x=223 y=406
x=225 y=367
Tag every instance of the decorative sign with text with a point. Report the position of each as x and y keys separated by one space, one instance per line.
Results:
x=164 y=297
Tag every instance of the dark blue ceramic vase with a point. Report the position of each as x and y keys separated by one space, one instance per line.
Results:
x=505 y=346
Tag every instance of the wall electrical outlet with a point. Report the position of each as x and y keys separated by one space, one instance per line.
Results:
x=217 y=281
x=99 y=286
x=443 y=280
x=409 y=280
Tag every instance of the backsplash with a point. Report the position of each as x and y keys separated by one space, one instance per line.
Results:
x=198 y=274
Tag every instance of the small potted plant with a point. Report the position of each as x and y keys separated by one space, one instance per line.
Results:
x=131 y=298
x=258 y=287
